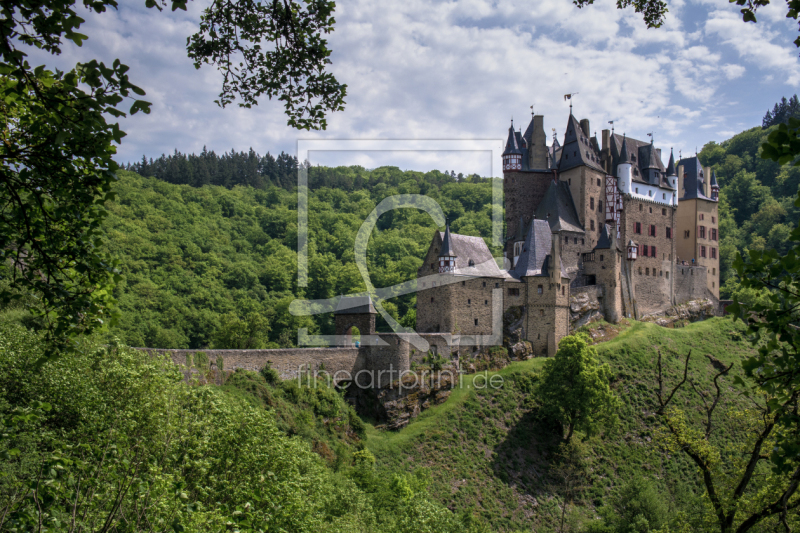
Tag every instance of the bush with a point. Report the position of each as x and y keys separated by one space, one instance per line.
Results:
x=269 y=374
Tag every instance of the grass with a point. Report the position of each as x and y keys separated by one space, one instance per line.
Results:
x=491 y=455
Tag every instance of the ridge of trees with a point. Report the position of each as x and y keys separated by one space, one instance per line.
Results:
x=782 y=112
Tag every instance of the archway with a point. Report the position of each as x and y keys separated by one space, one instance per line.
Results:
x=353 y=336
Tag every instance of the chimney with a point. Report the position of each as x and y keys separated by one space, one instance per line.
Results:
x=538 y=149
x=585 y=126
x=606 y=139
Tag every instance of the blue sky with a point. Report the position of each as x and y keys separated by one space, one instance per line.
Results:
x=461 y=69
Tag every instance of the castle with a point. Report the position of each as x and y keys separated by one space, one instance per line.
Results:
x=607 y=220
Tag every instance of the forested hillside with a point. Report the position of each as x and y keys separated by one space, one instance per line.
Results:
x=197 y=262
x=757 y=197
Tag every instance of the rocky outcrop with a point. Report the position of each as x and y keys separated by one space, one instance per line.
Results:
x=585 y=307
x=518 y=348
x=680 y=315
x=415 y=393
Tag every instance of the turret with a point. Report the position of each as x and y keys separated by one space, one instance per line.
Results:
x=555 y=262
x=512 y=156
x=624 y=168
x=714 y=187
x=447 y=257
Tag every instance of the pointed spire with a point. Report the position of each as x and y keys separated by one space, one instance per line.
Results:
x=512 y=146
x=714 y=179
x=623 y=156
x=671 y=164
x=447 y=247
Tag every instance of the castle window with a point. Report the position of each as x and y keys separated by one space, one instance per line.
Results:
x=496 y=285
x=713 y=220
x=667 y=274
x=539 y=289
x=686 y=234
x=643 y=251
x=652 y=230
x=471 y=263
x=601 y=257
x=663 y=197
x=423 y=284
x=431 y=299
x=433 y=284
x=701 y=216
x=712 y=284
x=647 y=271
x=566 y=240
x=600 y=205
x=713 y=234
x=640 y=205
x=713 y=253
x=637 y=192
x=569 y=181
x=541 y=312
x=640 y=271
x=651 y=210
x=713 y=271
x=484 y=284
x=654 y=272
x=469 y=301
x=476 y=321
x=701 y=232
x=583 y=241
x=463 y=283
x=638 y=228
x=653 y=251
x=660 y=273
x=563 y=290
x=633 y=157
x=650 y=193
x=486 y=302
x=592 y=225
x=669 y=232
x=433 y=266
x=702 y=251
x=635 y=171
x=538 y=336
x=663 y=211
x=591 y=203
x=513 y=292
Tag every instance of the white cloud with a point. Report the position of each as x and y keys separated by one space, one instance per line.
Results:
x=733 y=71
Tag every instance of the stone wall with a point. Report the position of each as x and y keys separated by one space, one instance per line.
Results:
x=690 y=283
x=523 y=191
x=289 y=362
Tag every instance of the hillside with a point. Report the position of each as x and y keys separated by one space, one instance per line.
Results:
x=493 y=457
x=194 y=259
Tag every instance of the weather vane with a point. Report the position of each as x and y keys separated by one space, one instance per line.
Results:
x=532 y=109
x=569 y=97
x=612 y=126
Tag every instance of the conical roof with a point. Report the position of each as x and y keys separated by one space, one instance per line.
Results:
x=512 y=144
x=447 y=246
x=652 y=156
x=534 y=251
x=671 y=164
x=623 y=156
x=714 y=179
x=604 y=242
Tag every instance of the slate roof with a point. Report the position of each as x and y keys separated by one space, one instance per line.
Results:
x=355 y=305
x=512 y=144
x=528 y=136
x=714 y=179
x=642 y=155
x=558 y=209
x=578 y=149
x=671 y=165
x=692 y=179
x=534 y=252
x=604 y=242
x=447 y=247
x=466 y=249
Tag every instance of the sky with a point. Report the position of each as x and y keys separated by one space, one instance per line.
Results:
x=423 y=70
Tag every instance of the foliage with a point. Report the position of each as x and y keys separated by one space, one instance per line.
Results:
x=190 y=256
x=782 y=112
x=574 y=387
x=57 y=147
x=248 y=333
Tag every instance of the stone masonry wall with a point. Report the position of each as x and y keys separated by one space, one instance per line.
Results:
x=523 y=191
x=288 y=362
x=690 y=283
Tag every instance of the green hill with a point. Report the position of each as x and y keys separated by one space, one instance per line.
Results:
x=491 y=455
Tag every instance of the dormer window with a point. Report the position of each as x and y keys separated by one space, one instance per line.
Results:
x=471 y=263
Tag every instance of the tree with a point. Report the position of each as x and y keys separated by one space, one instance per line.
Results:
x=574 y=389
x=248 y=333
x=56 y=152
x=729 y=471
